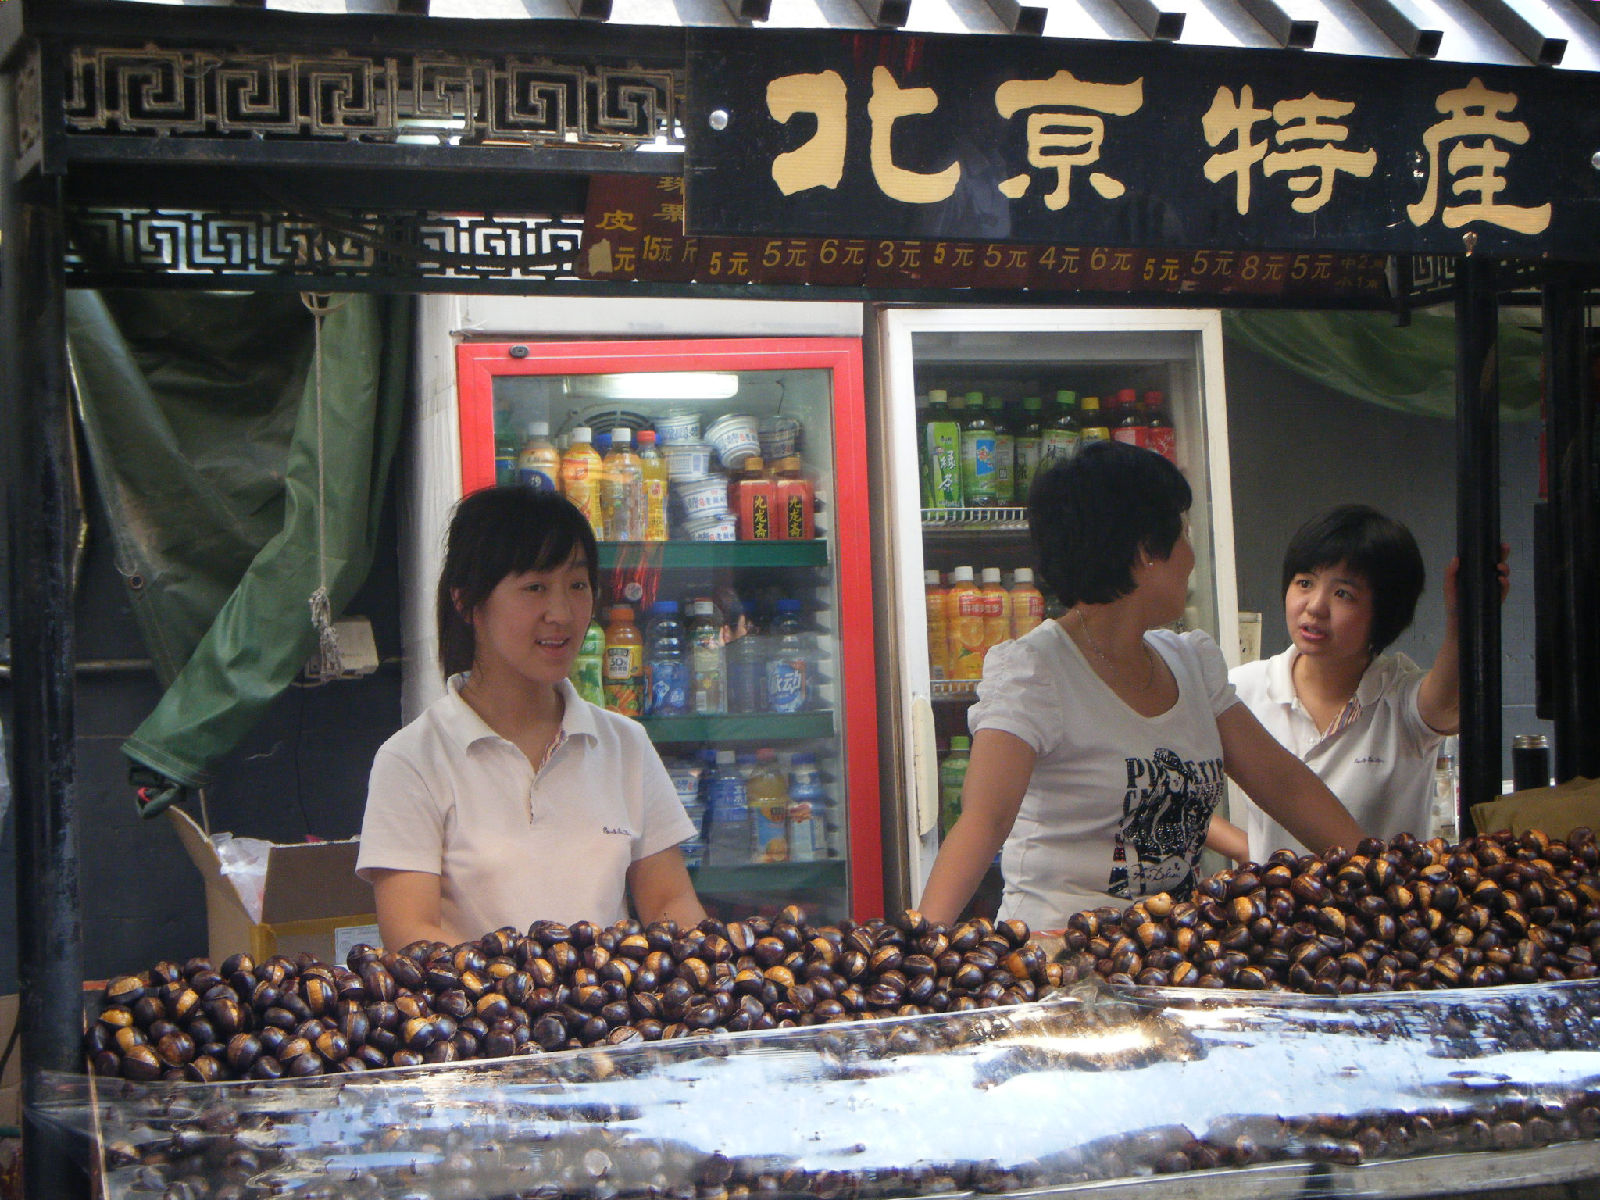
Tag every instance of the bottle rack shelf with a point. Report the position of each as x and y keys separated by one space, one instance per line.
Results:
x=786 y=878
x=954 y=689
x=812 y=553
x=741 y=727
x=970 y=520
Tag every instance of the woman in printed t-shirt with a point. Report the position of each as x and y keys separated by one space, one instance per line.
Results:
x=512 y=799
x=1100 y=740
x=1368 y=723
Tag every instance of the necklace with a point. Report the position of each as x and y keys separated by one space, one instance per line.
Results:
x=1149 y=658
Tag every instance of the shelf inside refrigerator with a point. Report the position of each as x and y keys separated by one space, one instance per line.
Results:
x=752 y=727
x=781 y=878
x=714 y=554
x=954 y=689
x=1006 y=519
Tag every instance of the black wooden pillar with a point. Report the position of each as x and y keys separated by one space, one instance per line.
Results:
x=1478 y=530
x=42 y=518
x=1574 y=609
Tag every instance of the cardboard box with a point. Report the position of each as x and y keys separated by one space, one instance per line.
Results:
x=11 y=1081
x=313 y=903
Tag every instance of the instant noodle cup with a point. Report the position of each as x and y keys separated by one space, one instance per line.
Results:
x=687 y=460
x=678 y=425
x=699 y=498
x=734 y=439
x=779 y=437
x=721 y=528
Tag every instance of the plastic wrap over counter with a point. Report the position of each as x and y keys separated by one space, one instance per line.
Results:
x=1136 y=1093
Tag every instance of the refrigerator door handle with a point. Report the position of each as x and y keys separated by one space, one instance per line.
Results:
x=924 y=765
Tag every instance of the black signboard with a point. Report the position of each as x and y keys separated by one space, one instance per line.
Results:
x=1136 y=144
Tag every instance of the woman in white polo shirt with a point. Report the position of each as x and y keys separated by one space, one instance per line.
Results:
x=1100 y=740
x=1367 y=722
x=511 y=799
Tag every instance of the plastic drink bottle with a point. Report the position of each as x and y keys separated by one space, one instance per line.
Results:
x=708 y=663
x=1029 y=437
x=622 y=504
x=944 y=453
x=624 y=668
x=666 y=662
x=1005 y=452
x=1163 y=439
x=996 y=610
x=1027 y=603
x=580 y=478
x=588 y=670
x=539 y=463
x=747 y=664
x=728 y=842
x=1095 y=428
x=789 y=670
x=754 y=501
x=1132 y=428
x=952 y=776
x=978 y=484
x=938 y=627
x=964 y=608
x=808 y=810
x=653 y=470
x=797 y=501
x=767 y=792
x=1061 y=438
x=505 y=458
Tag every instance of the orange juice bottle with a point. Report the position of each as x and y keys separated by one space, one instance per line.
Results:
x=654 y=468
x=938 y=627
x=1027 y=603
x=580 y=478
x=964 y=606
x=623 y=668
x=996 y=609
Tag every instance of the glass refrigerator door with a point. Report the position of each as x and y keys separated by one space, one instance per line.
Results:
x=1025 y=359
x=765 y=711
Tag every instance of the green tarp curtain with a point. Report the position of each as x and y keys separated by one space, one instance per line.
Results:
x=1367 y=356
x=200 y=414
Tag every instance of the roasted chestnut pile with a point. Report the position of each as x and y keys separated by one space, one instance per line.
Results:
x=557 y=987
x=1400 y=915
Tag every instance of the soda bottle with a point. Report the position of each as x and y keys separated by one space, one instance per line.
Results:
x=580 y=478
x=666 y=662
x=624 y=669
x=767 y=792
x=1132 y=428
x=1027 y=603
x=539 y=465
x=944 y=453
x=978 y=484
x=1028 y=442
x=789 y=670
x=728 y=843
x=588 y=669
x=1163 y=438
x=808 y=809
x=1005 y=452
x=1059 y=439
x=505 y=459
x=708 y=663
x=996 y=610
x=964 y=606
x=747 y=664
x=653 y=471
x=952 y=776
x=1095 y=428
x=622 y=504
x=938 y=627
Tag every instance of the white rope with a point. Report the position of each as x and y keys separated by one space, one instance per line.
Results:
x=327 y=664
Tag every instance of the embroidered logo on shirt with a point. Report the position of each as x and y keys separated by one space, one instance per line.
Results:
x=1368 y=758
x=627 y=833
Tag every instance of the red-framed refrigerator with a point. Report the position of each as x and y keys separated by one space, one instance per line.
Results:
x=798 y=404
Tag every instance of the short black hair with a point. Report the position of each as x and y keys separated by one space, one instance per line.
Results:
x=500 y=531
x=1092 y=515
x=1378 y=548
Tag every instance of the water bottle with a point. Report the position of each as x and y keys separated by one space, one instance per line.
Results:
x=789 y=669
x=729 y=842
x=747 y=665
x=707 y=659
x=808 y=810
x=666 y=662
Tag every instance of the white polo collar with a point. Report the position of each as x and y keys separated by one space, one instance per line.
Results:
x=462 y=724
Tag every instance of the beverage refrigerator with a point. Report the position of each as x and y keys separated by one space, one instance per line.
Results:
x=1016 y=354
x=712 y=401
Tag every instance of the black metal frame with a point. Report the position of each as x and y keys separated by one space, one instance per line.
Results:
x=310 y=182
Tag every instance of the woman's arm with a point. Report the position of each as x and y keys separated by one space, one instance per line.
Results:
x=1285 y=788
x=997 y=778
x=660 y=888
x=1439 y=697
x=409 y=908
x=1228 y=839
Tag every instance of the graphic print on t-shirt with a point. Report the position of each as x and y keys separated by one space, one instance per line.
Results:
x=1165 y=813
